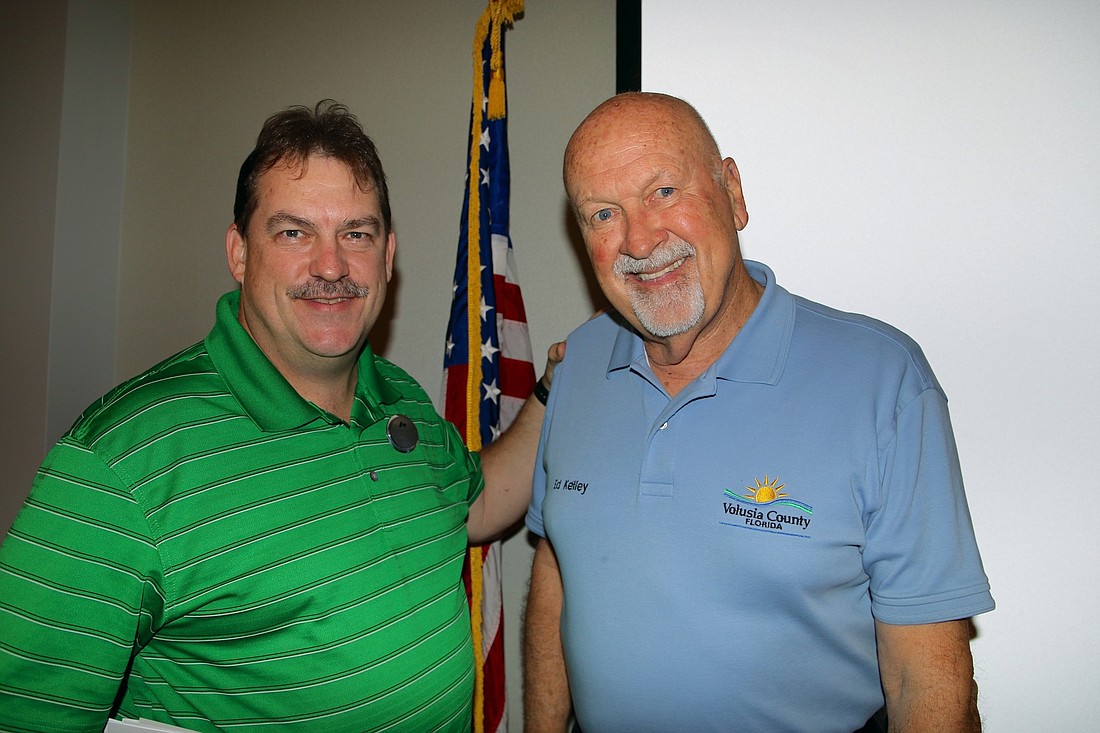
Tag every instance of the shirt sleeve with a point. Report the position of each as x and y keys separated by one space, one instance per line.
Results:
x=80 y=587
x=469 y=460
x=533 y=519
x=920 y=551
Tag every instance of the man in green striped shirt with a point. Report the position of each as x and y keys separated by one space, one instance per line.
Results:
x=265 y=531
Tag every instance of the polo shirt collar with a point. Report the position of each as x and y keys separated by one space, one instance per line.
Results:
x=758 y=352
x=262 y=391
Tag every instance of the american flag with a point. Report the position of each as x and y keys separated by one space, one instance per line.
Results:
x=483 y=394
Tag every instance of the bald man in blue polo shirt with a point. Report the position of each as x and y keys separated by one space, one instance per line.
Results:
x=750 y=505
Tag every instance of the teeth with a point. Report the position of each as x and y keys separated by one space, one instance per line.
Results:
x=646 y=276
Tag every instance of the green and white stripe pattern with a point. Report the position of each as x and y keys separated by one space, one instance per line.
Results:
x=212 y=551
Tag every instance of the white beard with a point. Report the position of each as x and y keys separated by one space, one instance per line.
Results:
x=673 y=309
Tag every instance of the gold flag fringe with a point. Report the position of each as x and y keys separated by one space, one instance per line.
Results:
x=496 y=15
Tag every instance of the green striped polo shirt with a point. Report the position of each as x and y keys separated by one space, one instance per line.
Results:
x=206 y=548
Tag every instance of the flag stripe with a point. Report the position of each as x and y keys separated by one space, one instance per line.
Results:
x=511 y=301
x=515 y=372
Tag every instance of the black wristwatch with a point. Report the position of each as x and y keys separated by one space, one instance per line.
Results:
x=541 y=391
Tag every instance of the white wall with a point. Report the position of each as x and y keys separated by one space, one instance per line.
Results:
x=937 y=165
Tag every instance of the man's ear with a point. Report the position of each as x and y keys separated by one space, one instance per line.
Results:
x=391 y=248
x=731 y=180
x=235 y=252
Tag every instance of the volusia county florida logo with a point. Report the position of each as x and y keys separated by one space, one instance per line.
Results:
x=767 y=509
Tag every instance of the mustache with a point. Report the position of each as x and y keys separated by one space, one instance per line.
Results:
x=342 y=288
x=658 y=259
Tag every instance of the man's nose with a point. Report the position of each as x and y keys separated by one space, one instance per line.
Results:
x=643 y=233
x=329 y=261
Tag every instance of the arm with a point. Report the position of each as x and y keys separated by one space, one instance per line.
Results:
x=508 y=464
x=928 y=677
x=546 y=698
x=78 y=573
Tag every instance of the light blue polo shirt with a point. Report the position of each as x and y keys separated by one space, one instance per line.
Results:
x=726 y=552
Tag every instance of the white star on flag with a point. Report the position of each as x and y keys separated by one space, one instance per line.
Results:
x=487 y=350
x=492 y=391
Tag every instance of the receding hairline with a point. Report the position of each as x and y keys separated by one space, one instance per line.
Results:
x=622 y=103
x=298 y=163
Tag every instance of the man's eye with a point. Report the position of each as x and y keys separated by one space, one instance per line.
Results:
x=292 y=233
x=602 y=215
x=665 y=191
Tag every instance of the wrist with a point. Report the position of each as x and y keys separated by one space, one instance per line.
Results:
x=541 y=391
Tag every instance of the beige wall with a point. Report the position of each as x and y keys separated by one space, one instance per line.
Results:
x=203 y=75
x=206 y=73
x=32 y=70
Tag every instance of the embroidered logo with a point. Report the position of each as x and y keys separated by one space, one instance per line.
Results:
x=766 y=508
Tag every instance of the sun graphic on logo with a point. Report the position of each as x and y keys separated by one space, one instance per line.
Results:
x=767 y=491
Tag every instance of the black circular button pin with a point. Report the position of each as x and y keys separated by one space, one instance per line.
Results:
x=402 y=433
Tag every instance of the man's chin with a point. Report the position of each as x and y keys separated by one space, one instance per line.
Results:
x=337 y=348
x=666 y=326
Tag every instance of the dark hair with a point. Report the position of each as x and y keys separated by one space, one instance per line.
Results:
x=291 y=136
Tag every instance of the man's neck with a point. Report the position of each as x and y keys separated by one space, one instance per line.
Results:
x=334 y=394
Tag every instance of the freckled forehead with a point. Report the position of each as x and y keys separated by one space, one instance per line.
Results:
x=622 y=133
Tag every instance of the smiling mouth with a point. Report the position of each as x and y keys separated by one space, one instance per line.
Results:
x=662 y=262
x=647 y=276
